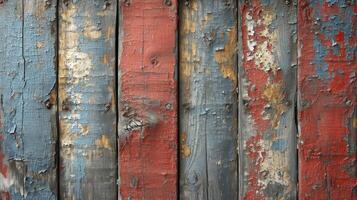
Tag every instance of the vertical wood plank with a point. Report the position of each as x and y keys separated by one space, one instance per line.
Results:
x=208 y=100
x=147 y=104
x=87 y=105
x=327 y=99
x=28 y=130
x=267 y=89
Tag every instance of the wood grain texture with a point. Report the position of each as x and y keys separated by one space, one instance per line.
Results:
x=327 y=99
x=267 y=89
x=87 y=105
x=147 y=100
x=208 y=100
x=28 y=108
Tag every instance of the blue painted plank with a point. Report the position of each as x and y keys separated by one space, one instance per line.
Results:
x=208 y=100
x=28 y=129
x=87 y=104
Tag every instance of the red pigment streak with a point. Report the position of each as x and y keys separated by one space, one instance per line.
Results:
x=258 y=78
x=327 y=168
x=148 y=157
x=4 y=195
x=256 y=157
x=4 y=169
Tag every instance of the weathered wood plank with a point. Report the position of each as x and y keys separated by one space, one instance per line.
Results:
x=208 y=100
x=147 y=103
x=87 y=105
x=28 y=108
x=267 y=91
x=327 y=99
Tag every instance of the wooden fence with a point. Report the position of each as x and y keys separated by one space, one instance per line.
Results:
x=167 y=99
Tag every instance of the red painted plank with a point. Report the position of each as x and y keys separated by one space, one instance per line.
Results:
x=147 y=100
x=327 y=99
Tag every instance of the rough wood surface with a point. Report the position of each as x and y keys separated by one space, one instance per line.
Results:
x=208 y=100
x=327 y=99
x=267 y=89
x=147 y=100
x=28 y=108
x=87 y=105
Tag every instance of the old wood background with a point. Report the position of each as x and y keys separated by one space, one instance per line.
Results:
x=168 y=99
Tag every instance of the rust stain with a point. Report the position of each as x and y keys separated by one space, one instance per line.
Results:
x=105 y=59
x=273 y=94
x=354 y=122
x=225 y=57
x=185 y=149
x=112 y=104
x=110 y=32
x=40 y=45
x=90 y=31
x=189 y=26
x=103 y=142
x=206 y=19
x=189 y=55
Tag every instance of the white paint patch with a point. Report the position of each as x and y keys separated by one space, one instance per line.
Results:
x=75 y=70
x=260 y=52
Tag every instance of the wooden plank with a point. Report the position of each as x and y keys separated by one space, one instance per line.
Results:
x=208 y=100
x=87 y=103
x=267 y=91
x=147 y=100
x=327 y=99
x=28 y=130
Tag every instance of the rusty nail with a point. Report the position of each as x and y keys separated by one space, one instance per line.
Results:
x=168 y=106
x=168 y=2
x=65 y=106
x=107 y=106
x=127 y=2
x=154 y=60
x=48 y=104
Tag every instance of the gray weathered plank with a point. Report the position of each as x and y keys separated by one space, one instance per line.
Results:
x=87 y=105
x=28 y=130
x=208 y=106
x=267 y=91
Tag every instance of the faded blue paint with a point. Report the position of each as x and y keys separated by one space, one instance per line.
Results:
x=331 y=2
x=329 y=30
x=320 y=53
x=79 y=166
x=88 y=169
x=208 y=104
x=27 y=77
x=266 y=2
x=279 y=145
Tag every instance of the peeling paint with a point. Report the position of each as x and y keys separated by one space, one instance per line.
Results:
x=267 y=91
x=27 y=117
x=273 y=94
x=226 y=57
x=90 y=31
x=327 y=99
x=86 y=95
